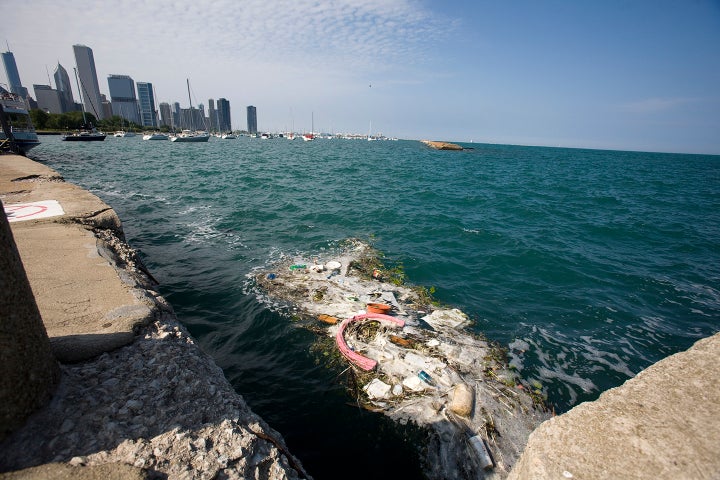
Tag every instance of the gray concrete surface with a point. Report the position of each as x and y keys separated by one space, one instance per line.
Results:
x=25 y=355
x=662 y=424
x=85 y=308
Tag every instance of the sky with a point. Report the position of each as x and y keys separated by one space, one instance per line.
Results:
x=611 y=74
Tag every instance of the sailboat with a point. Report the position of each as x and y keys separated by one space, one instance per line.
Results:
x=188 y=135
x=122 y=132
x=154 y=135
x=85 y=134
x=310 y=136
x=291 y=134
x=370 y=137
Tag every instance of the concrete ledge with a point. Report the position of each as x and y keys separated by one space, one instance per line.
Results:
x=662 y=424
x=89 y=304
x=62 y=471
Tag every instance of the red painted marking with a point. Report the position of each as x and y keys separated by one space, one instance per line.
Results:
x=34 y=210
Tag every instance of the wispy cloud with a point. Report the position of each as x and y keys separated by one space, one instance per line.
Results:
x=354 y=32
x=227 y=46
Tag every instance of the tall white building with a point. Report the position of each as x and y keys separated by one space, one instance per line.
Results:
x=89 y=87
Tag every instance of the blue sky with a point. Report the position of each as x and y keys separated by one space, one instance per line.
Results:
x=636 y=75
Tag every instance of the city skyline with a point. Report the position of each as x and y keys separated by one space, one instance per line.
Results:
x=131 y=101
x=640 y=76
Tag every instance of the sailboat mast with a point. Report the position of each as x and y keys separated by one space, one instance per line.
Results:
x=155 y=112
x=192 y=120
x=81 y=95
x=188 y=86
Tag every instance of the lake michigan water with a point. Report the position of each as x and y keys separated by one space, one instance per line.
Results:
x=587 y=265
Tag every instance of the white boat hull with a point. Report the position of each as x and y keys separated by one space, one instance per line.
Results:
x=195 y=139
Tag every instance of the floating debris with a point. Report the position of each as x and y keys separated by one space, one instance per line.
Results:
x=328 y=319
x=418 y=365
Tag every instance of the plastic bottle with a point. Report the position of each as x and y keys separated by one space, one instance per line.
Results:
x=426 y=378
x=483 y=454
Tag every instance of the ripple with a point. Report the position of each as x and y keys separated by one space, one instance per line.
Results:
x=589 y=265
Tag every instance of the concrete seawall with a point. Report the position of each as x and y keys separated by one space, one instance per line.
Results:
x=136 y=393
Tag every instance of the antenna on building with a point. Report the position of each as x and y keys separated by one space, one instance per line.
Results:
x=48 y=74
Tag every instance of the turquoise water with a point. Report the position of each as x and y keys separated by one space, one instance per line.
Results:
x=588 y=265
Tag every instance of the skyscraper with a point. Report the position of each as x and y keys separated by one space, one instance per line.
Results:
x=48 y=99
x=146 y=99
x=106 y=106
x=165 y=114
x=223 y=111
x=251 y=119
x=63 y=86
x=13 y=75
x=123 y=99
x=212 y=116
x=176 y=116
x=90 y=89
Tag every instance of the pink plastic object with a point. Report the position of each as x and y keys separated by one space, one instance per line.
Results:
x=362 y=362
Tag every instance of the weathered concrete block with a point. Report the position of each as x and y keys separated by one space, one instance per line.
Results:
x=28 y=369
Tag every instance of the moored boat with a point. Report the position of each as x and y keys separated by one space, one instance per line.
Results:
x=18 y=122
x=310 y=136
x=84 y=135
x=123 y=133
x=190 y=136
x=155 y=136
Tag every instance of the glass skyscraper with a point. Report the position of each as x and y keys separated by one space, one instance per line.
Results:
x=251 y=119
x=90 y=89
x=146 y=99
x=63 y=86
x=13 y=75
x=123 y=99
x=223 y=114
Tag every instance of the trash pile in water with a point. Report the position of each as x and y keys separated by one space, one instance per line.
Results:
x=414 y=361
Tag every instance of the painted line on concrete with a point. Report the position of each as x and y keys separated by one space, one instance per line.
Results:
x=18 y=212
